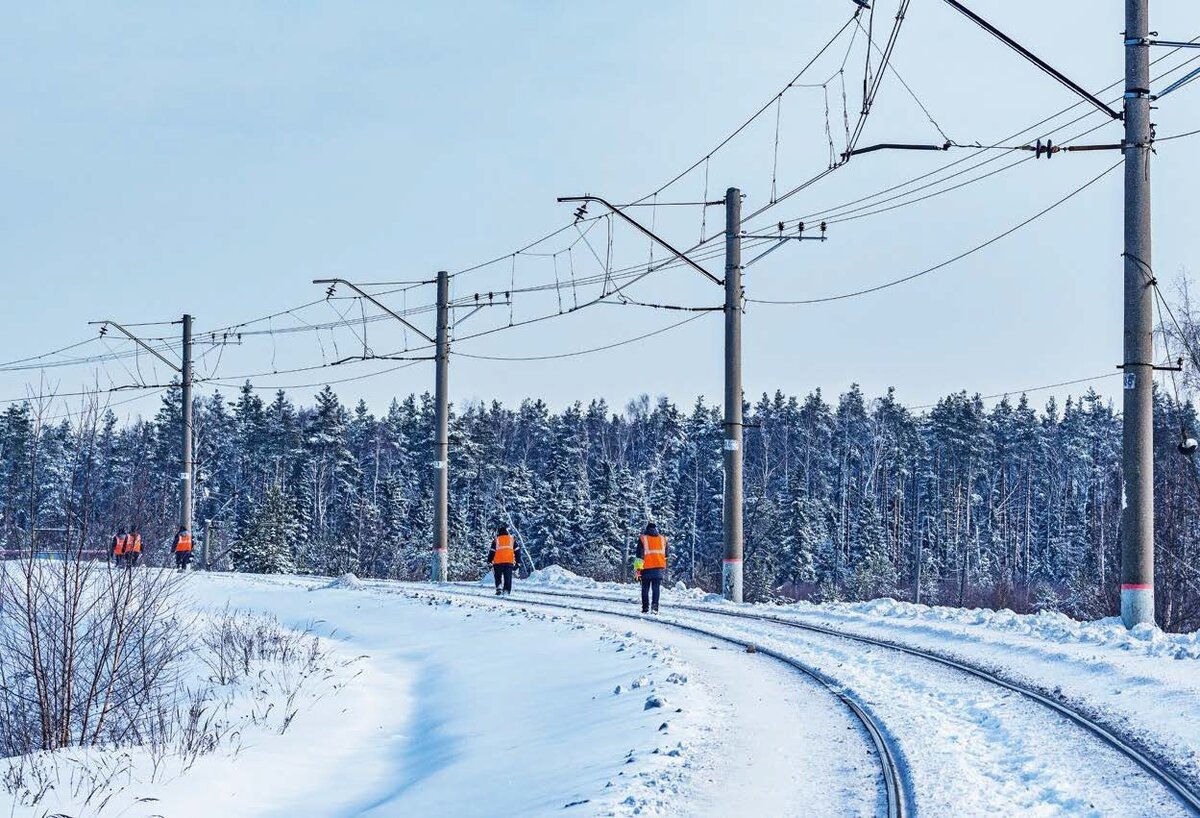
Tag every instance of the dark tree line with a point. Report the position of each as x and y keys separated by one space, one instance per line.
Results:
x=959 y=505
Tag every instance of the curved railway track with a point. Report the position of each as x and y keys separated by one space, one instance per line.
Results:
x=894 y=780
x=897 y=798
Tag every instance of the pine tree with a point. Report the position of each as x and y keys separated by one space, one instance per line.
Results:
x=267 y=546
x=1007 y=506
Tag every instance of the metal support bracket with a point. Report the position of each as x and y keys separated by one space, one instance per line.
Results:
x=1177 y=368
x=780 y=240
x=1063 y=79
x=616 y=211
x=333 y=282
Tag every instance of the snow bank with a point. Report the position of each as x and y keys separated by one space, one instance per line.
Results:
x=1049 y=627
x=1046 y=626
x=555 y=576
x=548 y=684
x=345 y=581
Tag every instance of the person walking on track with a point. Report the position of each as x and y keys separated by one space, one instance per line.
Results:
x=504 y=555
x=182 y=548
x=652 y=551
x=117 y=548
x=133 y=546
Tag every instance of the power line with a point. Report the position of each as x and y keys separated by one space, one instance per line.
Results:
x=354 y=359
x=580 y=352
x=631 y=275
x=639 y=202
x=765 y=107
x=529 y=246
x=106 y=407
x=27 y=364
x=59 y=351
x=86 y=392
x=1026 y=390
x=947 y=262
x=233 y=328
x=1000 y=144
x=877 y=208
x=273 y=387
x=1175 y=136
x=885 y=60
x=895 y=73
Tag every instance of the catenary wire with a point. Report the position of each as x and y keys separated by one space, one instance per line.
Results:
x=1027 y=390
x=952 y=260
x=579 y=352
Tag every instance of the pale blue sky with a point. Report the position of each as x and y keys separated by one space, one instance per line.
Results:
x=158 y=158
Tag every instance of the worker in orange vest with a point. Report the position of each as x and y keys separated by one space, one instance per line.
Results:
x=118 y=546
x=182 y=548
x=504 y=555
x=652 y=551
x=133 y=546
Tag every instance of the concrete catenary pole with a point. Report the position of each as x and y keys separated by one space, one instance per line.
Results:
x=441 y=432
x=186 y=478
x=1137 y=457
x=731 y=566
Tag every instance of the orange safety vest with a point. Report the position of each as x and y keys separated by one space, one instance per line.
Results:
x=505 y=554
x=654 y=550
x=119 y=548
x=134 y=544
x=185 y=542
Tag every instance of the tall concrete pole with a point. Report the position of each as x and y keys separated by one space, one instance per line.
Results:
x=731 y=566
x=186 y=477
x=1137 y=454
x=441 y=432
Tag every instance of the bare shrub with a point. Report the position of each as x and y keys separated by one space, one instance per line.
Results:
x=260 y=676
x=86 y=654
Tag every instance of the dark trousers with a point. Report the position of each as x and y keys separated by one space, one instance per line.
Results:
x=503 y=573
x=133 y=558
x=182 y=558
x=651 y=586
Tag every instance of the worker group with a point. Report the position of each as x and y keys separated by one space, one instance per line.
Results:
x=126 y=548
x=649 y=563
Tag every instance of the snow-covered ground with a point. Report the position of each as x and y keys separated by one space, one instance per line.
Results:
x=489 y=711
x=462 y=707
x=1143 y=684
x=440 y=703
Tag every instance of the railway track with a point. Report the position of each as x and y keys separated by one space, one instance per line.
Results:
x=1160 y=771
x=897 y=798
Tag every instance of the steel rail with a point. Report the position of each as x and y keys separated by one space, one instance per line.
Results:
x=1157 y=769
x=897 y=797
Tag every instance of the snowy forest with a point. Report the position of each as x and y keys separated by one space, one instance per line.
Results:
x=959 y=504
